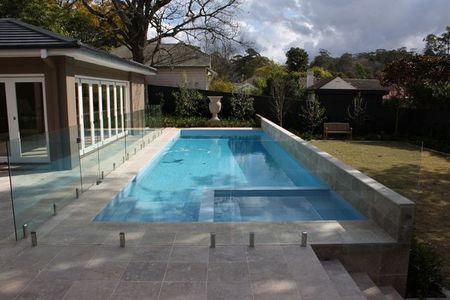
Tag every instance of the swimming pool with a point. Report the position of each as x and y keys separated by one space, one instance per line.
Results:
x=226 y=176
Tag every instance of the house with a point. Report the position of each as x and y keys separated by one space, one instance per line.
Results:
x=177 y=64
x=336 y=94
x=55 y=91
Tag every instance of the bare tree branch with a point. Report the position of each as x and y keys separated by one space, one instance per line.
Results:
x=131 y=19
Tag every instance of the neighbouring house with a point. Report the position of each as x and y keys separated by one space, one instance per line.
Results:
x=177 y=64
x=336 y=94
x=56 y=91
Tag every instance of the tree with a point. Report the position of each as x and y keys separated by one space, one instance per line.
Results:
x=313 y=114
x=357 y=112
x=246 y=65
x=180 y=19
x=297 y=60
x=324 y=60
x=437 y=45
x=283 y=89
x=66 y=17
x=419 y=81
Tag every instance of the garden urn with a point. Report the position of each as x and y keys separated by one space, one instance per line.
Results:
x=214 y=107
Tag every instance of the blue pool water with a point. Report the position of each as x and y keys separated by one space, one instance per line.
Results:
x=225 y=176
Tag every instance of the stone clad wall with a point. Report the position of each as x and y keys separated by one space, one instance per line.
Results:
x=391 y=211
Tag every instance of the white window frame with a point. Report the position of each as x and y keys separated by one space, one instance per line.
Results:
x=119 y=99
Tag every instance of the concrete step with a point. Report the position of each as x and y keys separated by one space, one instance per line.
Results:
x=368 y=287
x=342 y=280
x=390 y=293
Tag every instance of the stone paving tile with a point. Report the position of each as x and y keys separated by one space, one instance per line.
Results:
x=133 y=238
x=266 y=253
x=68 y=264
x=228 y=272
x=229 y=291
x=11 y=287
x=37 y=289
x=151 y=253
x=115 y=253
x=94 y=236
x=137 y=290
x=269 y=270
x=189 y=254
x=91 y=290
x=186 y=272
x=98 y=269
x=276 y=289
x=311 y=289
x=35 y=258
x=228 y=254
x=145 y=271
x=183 y=290
x=157 y=238
x=193 y=238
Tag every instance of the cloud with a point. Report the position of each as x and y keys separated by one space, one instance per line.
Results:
x=341 y=25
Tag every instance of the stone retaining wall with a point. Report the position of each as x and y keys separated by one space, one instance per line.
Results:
x=390 y=210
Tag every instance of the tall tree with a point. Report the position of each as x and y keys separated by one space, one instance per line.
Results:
x=67 y=17
x=284 y=89
x=419 y=81
x=246 y=65
x=438 y=44
x=297 y=60
x=180 y=19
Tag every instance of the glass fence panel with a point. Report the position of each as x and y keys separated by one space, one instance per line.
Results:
x=112 y=155
x=90 y=166
x=40 y=184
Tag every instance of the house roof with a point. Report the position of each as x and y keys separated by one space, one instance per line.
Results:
x=170 y=55
x=348 y=84
x=17 y=35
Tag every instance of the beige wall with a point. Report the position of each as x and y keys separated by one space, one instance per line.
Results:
x=195 y=77
x=59 y=73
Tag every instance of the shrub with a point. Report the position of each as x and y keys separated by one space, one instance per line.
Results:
x=242 y=106
x=189 y=102
x=425 y=271
x=221 y=85
x=313 y=114
x=357 y=113
x=186 y=122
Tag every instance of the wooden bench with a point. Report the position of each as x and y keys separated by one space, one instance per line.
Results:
x=336 y=127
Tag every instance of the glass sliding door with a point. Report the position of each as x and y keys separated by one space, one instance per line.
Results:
x=101 y=111
x=31 y=118
x=23 y=119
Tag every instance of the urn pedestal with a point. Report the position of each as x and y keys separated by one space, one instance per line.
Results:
x=214 y=107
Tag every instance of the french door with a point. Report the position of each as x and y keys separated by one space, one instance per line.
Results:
x=23 y=119
x=102 y=106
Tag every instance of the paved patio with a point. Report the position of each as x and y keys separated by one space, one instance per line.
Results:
x=78 y=259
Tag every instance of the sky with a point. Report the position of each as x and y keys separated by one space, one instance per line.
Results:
x=340 y=26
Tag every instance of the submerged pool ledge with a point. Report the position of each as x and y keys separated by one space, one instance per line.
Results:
x=388 y=209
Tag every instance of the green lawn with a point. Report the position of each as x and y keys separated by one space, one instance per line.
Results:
x=422 y=177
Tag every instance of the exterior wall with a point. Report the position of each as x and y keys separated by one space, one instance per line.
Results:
x=137 y=96
x=196 y=77
x=59 y=73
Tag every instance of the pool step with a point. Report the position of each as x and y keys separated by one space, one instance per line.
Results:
x=370 y=290
x=342 y=281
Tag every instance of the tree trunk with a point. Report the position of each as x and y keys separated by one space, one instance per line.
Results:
x=138 y=53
